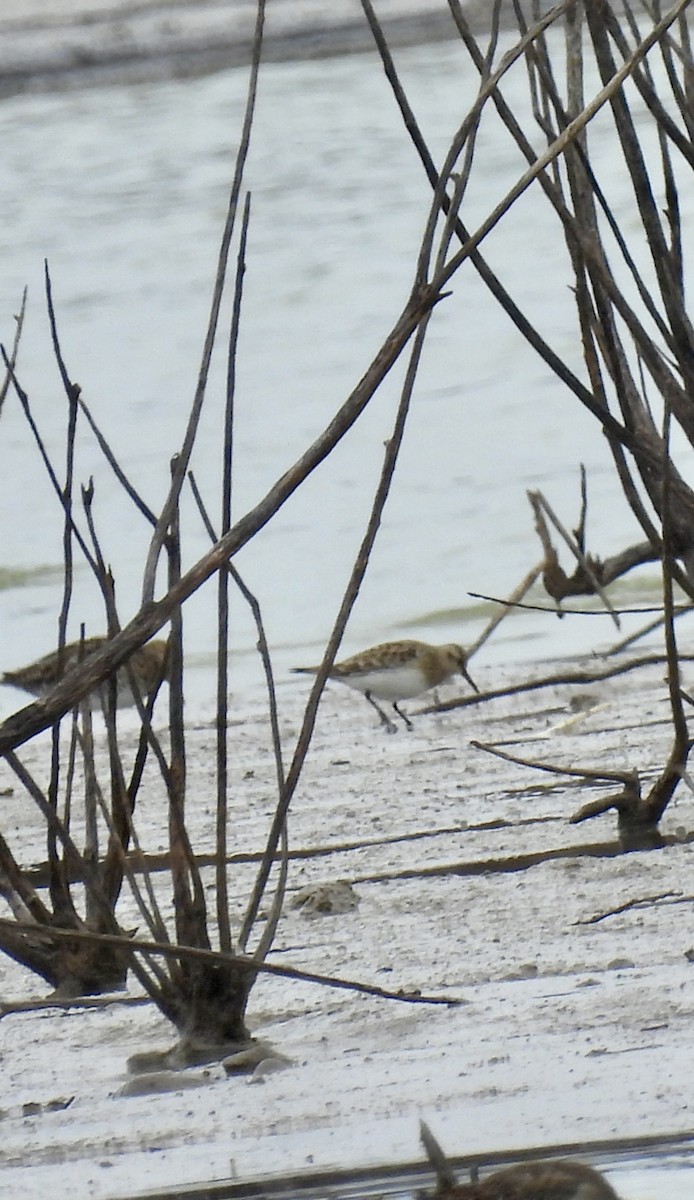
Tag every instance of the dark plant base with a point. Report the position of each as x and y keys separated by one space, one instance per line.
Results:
x=638 y=834
x=206 y=1003
x=186 y=1053
x=72 y=969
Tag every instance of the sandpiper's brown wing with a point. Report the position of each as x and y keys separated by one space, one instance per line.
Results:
x=543 y=1181
x=150 y=664
x=42 y=674
x=384 y=656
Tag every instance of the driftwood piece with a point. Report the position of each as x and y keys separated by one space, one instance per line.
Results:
x=592 y=574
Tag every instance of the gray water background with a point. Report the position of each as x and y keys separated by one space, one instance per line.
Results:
x=123 y=189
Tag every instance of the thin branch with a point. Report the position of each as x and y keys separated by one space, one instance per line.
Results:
x=264 y=651
x=639 y=902
x=352 y=591
x=33 y=718
x=129 y=863
x=679 y=609
x=19 y=325
x=190 y=905
x=223 y=922
x=547 y=681
x=625 y=777
x=60 y=893
x=50 y=471
x=12 y=1008
x=115 y=465
x=573 y=130
x=540 y=505
x=485 y=272
x=241 y=962
x=513 y=601
x=183 y=458
x=674 y=682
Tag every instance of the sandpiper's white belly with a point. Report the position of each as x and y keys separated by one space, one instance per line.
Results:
x=391 y=683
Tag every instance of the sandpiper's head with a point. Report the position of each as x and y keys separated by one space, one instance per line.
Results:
x=456 y=660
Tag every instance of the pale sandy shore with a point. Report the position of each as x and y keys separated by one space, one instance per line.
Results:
x=60 y=44
x=572 y=961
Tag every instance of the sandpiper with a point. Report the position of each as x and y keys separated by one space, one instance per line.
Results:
x=398 y=671
x=544 y=1180
x=148 y=665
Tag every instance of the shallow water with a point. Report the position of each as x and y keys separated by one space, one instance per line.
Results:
x=123 y=190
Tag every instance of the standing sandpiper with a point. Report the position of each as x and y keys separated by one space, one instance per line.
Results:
x=148 y=665
x=398 y=671
x=544 y=1180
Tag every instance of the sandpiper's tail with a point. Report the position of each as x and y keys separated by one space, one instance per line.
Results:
x=445 y=1179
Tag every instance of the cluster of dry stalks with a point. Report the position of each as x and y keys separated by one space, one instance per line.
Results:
x=637 y=344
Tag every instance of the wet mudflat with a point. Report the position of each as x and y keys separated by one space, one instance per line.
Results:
x=573 y=974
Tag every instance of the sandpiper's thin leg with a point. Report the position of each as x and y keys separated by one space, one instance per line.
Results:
x=385 y=720
x=403 y=716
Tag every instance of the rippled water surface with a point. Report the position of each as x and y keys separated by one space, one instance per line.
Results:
x=124 y=190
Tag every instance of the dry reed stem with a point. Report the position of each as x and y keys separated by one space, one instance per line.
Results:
x=244 y=964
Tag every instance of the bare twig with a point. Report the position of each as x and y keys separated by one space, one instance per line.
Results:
x=19 y=325
x=115 y=465
x=190 y=905
x=303 y=741
x=642 y=610
x=490 y=278
x=679 y=610
x=555 y=679
x=60 y=894
x=183 y=458
x=28 y=721
x=264 y=651
x=12 y=1008
x=541 y=506
x=600 y=775
x=638 y=902
x=513 y=601
x=222 y=896
x=50 y=471
x=674 y=682
x=244 y=964
x=569 y=135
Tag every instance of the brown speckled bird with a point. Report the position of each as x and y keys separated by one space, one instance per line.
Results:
x=148 y=664
x=398 y=671
x=559 y=1179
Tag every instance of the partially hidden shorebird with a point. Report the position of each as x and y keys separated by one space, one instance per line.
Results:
x=398 y=671
x=148 y=666
x=545 y=1179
